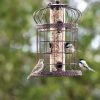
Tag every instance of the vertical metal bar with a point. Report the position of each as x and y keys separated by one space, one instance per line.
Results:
x=37 y=46
x=77 y=56
x=45 y=46
x=63 y=39
x=74 y=54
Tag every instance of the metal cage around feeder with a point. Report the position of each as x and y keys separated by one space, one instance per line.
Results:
x=56 y=26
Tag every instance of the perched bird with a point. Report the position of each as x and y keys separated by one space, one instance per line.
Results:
x=37 y=69
x=69 y=48
x=83 y=65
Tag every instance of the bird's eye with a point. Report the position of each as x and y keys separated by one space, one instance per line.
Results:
x=81 y=62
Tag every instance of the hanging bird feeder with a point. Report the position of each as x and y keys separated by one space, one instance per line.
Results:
x=56 y=27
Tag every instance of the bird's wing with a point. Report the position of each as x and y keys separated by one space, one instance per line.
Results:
x=89 y=68
x=38 y=68
x=35 y=68
x=84 y=64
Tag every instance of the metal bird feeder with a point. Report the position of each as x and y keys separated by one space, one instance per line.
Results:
x=57 y=25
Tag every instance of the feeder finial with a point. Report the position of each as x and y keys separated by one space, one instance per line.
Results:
x=57 y=1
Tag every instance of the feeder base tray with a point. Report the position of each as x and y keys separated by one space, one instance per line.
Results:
x=68 y=73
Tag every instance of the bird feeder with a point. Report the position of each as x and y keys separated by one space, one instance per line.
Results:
x=56 y=26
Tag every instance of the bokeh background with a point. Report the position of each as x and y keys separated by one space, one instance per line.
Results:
x=17 y=53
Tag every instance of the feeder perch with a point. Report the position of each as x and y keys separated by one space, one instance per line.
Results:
x=57 y=25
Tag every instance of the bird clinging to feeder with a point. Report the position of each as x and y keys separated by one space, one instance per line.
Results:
x=84 y=66
x=57 y=29
x=69 y=48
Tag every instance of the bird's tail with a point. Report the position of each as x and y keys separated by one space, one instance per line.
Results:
x=32 y=74
x=29 y=77
x=92 y=69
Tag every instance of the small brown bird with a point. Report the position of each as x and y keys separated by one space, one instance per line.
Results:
x=37 y=69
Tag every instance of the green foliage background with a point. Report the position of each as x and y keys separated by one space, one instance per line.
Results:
x=16 y=61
